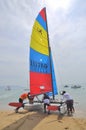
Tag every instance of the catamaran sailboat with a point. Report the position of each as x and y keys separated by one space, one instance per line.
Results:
x=42 y=76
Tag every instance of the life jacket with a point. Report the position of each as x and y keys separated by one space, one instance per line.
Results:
x=46 y=97
x=24 y=96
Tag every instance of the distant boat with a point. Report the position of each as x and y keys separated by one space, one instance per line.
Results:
x=76 y=86
x=66 y=86
x=26 y=89
x=8 y=88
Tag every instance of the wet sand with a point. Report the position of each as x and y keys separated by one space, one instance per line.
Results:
x=24 y=120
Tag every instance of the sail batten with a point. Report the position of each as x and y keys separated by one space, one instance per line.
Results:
x=40 y=67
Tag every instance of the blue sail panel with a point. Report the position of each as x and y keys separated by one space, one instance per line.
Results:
x=39 y=63
x=41 y=21
x=55 y=90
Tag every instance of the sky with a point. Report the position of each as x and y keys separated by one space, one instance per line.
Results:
x=67 y=34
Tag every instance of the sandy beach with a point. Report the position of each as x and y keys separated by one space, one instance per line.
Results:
x=24 y=120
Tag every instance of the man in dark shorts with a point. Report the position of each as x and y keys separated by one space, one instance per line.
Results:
x=69 y=101
x=46 y=101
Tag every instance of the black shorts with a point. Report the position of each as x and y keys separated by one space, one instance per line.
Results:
x=69 y=104
x=20 y=100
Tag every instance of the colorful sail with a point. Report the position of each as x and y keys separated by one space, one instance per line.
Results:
x=55 y=90
x=40 y=63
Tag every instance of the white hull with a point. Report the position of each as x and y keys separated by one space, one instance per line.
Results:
x=33 y=107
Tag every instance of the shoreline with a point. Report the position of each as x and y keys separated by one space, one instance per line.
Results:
x=80 y=113
x=35 y=120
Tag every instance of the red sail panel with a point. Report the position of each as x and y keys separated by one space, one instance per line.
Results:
x=40 y=83
x=42 y=13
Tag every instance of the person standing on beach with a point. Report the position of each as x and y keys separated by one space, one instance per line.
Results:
x=69 y=101
x=23 y=97
x=46 y=101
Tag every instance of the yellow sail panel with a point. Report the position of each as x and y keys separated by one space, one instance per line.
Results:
x=39 y=40
x=39 y=48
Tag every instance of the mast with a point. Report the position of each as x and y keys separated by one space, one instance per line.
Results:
x=49 y=52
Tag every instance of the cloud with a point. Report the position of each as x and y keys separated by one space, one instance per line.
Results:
x=67 y=29
x=68 y=42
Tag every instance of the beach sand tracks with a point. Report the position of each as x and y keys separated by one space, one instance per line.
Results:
x=39 y=121
x=81 y=123
x=29 y=120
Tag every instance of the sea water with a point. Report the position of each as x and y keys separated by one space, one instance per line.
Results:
x=12 y=95
x=79 y=96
